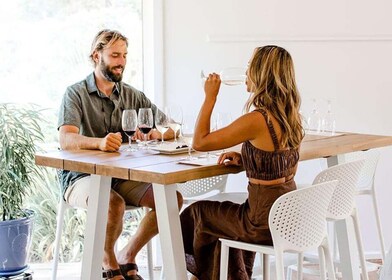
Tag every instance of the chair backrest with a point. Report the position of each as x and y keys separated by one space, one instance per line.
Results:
x=200 y=187
x=297 y=219
x=343 y=199
x=368 y=171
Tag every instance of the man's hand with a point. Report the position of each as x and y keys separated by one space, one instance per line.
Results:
x=111 y=142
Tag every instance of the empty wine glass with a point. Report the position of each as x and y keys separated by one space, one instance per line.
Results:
x=129 y=123
x=314 y=119
x=162 y=122
x=223 y=119
x=145 y=123
x=329 y=122
x=175 y=119
x=188 y=130
x=231 y=76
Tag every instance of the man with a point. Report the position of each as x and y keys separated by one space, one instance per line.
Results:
x=90 y=118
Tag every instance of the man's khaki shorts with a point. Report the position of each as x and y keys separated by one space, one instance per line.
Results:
x=77 y=194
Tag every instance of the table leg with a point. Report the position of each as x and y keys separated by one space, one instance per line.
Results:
x=348 y=251
x=97 y=216
x=173 y=255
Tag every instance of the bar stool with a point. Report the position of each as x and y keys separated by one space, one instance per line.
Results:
x=62 y=207
x=297 y=222
x=367 y=187
x=342 y=205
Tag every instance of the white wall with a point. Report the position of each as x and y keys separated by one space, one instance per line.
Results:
x=341 y=49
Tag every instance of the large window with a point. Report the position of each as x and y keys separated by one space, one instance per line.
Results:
x=45 y=45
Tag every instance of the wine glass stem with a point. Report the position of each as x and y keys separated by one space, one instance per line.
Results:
x=130 y=142
x=162 y=137
x=175 y=136
x=145 y=139
x=189 y=152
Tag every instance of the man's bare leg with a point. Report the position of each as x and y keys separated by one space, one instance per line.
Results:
x=147 y=229
x=113 y=231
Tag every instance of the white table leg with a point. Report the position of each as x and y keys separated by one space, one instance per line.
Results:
x=97 y=216
x=348 y=251
x=173 y=255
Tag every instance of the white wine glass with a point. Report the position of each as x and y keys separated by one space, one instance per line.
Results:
x=129 y=124
x=231 y=76
x=162 y=122
x=223 y=119
x=187 y=132
x=145 y=123
x=314 y=119
x=175 y=119
x=328 y=124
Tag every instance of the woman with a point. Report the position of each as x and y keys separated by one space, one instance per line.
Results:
x=271 y=134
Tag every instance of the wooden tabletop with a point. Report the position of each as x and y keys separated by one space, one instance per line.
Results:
x=150 y=166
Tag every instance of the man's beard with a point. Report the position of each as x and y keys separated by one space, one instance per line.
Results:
x=109 y=75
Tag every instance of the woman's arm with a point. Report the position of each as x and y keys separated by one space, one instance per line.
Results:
x=247 y=127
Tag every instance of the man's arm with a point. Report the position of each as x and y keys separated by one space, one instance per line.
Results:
x=70 y=139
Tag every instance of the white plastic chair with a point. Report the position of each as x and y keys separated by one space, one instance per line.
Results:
x=366 y=185
x=297 y=222
x=63 y=206
x=211 y=188
x=342 y=204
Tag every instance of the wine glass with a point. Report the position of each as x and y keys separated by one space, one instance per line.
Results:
x=329 y=122
x=175 y=119
x=314 y=119
x=129 y=123
x=223 y=119
x=162 y=122
x=145 y=123
x=231 y=76
x=188 y=130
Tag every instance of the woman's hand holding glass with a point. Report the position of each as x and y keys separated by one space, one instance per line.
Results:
x=129 y=122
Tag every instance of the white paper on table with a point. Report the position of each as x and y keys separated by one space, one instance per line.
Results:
x=205 y=161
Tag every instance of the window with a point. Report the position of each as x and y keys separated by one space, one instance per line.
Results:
x=45 y=45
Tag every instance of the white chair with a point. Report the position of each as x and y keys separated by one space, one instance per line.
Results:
x=63 y=206
x=211 y=188
x=297 y=222
x=366 y=185
x=342 y=205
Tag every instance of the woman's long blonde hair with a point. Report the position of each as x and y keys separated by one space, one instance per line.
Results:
x=271 y=79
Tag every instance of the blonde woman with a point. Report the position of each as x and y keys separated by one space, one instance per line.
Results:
x=271 y=134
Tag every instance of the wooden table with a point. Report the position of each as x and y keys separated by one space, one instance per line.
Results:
x=164 y=172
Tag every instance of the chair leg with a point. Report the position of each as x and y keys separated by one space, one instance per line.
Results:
x=224 y=261
x=279 y=264
x=300 y=266
x=150 y=261
x=378 y=222
x=323 y=272
x=266 y=268
x=327 y=260
x=354 y=215
x=57 y=242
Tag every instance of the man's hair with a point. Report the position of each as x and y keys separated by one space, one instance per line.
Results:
x=104 y=39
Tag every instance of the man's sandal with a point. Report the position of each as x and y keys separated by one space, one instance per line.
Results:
x=125 y=268
x=111 y=273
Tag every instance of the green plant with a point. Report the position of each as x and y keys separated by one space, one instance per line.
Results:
x=19 y=132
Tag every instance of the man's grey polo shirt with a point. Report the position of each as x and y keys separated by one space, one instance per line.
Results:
x=95 y=114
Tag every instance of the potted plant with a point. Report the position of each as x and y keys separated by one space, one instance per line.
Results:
x=19 y=133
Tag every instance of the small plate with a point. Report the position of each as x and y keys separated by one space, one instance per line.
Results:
x=171 y=148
